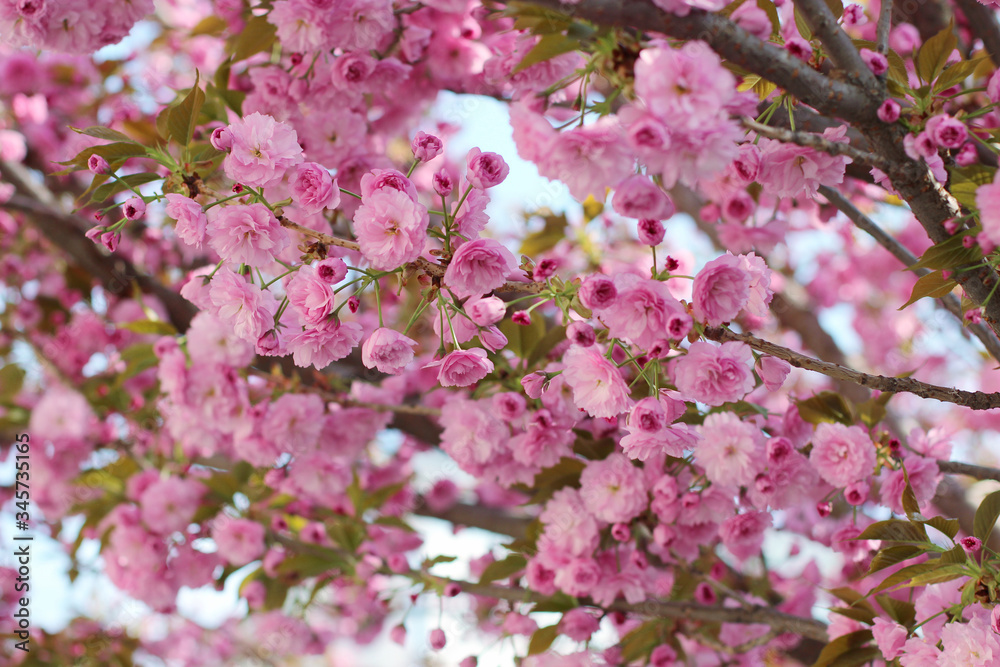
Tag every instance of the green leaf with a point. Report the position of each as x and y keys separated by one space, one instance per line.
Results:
x=934 y=53
x=956 y=556
x=641 y=641
x=900 y=611
x=150 y=327
x=542 y=639
x=11 y=381
x=894 y=530
x=909 y=499
x=309 y=565
x=138 y=358
x=873 y=411
x=949 y=527
x=546 y=238
x=800 y=23
x=183 y=118
x=563 y=474
x=521 y=340
x=826 y=406
x=852 y=597
x=933 y=285
x=503 y=569
x=957 y=73
x=948 y=254
x=944 y=572
x=431 y=562
x=965 y=183
x=111 y=188
x=895 y=554
x=840 y=646
x=116 y=154
x=857 y=656
x=104 y=133
x=986 y=516
x=224 y=484
x=859 y=615
x=210 y=25
x=257 y=35
x=394 y=522
x=548 y=47
x=906 y=574
x=559 y=602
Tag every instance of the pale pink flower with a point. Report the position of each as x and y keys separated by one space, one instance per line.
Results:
x=946 y=132
x=889 y=637
x=485 y=169
x=387 y=179
x=730 y=450
x=971 y=644
x=391 y=229
x=472 y=436
x=788 y=170
x=773 y=372
x=263 y=149
x=387 y=350
x=426 y=146
x=613 y=489
x=313 y=189
x=597 y=291
x=743 y=534
x=462 y=368
x=321 y=345
x=168 y=505
x=485 y=311
x=714 y=375
x=478 y=267
x=247 y=234
x=310 y=295
x=638 y=197
x=294 y=422
x=239 y=541
x=842 y=454
x=191 y=219
x=242 y=305
x=568 y=526
x=644 y=312
x=598 y=387
x=760 y=294
x=720 y=290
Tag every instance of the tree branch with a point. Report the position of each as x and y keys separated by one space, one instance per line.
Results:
x=754 y=614
x=838 y=44
x=830 y=97
x=976 y=400
x=951 y=303
x=969 y=470
x=423 y=264
x=817 y=142
x=883 y=27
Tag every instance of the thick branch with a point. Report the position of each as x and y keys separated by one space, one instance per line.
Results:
x=817 y=142
x=838 y=44
x=983 y=23
x=478 y=516
x=883 y=27
x=976 y=400
x=754 y=614
x=831 y=97
x=969 y=470
x=950 y=301
x=423 y=264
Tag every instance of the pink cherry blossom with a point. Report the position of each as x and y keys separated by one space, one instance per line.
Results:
x=387 y=350
x=478 y=267
x=462 y=368
x=262 y=150
x=391 y=229
x=246 y=234
x=613 y=489
x=714 y=375
x=239 y=541
x=842 y=454
x=598 y=387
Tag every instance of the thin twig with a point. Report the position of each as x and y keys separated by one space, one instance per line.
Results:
x=838 y=44
x=968 y=469
x=883 y=27
x=817 y=142
x=424 y=265
x=976 y=400
x=951 y=303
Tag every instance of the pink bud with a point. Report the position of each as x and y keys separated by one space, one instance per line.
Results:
x=705 y=594
x=651 y=232
x=824 y=509
x=452 y=589
x=134 y=208
x=533 y=383
x=426 y=146
x=967 y=155
x=971 y=544
x=889 y=110
x=856 y=493
x=876 y=61
x=354 y=303
x=221 y=139
x=621 y=532
x=443 y=183
x=581 y=334
x=94 y=234
x=397 y=563
x=110 y=240
x=97 y=165
x=521 y=317
x=438 y=639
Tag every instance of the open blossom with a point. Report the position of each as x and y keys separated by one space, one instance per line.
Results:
x=247 y=234
x=988 y=203
x=391 y=228
x=720 y=290
x=613 y=489
x=842 y=454
x=743 y=534
x=889 y=637
x=242 y=305
x=239 y=541
x=191 y=219
x=644 y=312
x=324 y=343
x=598 y=386
x=730 y=450
x=714 y=375
x=788 y=170
x=462 y=367
x=310 y=295
x=638 y=197
x=168 y=505
x=387 y=350
x=263 y=149
x=478 y=267
x=313 y=189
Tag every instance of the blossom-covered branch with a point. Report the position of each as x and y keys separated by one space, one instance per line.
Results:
x=816 y=141
x=976 y=400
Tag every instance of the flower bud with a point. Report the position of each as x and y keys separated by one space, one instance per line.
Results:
x=98 y=165
x=221 y=139
x=651 y=231
x=134 y=208
x=426 y=146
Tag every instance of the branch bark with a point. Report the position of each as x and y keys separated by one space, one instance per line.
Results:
x=838 y=45
x=983 y=23
x=976 y=400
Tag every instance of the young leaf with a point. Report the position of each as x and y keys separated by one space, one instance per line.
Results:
x=933 y=285
x=503 y=569
x=826 y=406
x=948 y=255
x=986 y=516
x=542 y=639
x=933 y=55
x=548 y=47
x=257 y=35
x=840 y=646
x=104 y=133
x=894 y=530
x=892 y=555
x=183 y=118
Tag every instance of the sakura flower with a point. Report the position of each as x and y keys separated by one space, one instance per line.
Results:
x=263 y=149
x=613 y=489
x=486 y=169
x=191 y=219
x=720 y=290
x=168 y=505
x=478 y=267
x=391 y=228
x=842 y=454
x=247 y=234
x=387 y=350
x=714 y=375
x=325 y=343
x=462 y=367
x=598 y=387
x=239 y=541
x=242 y=305
x=730 y=450
x=313 y=189
x=310 y=295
